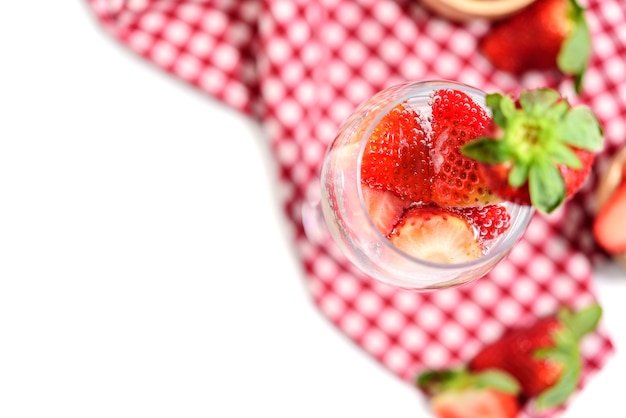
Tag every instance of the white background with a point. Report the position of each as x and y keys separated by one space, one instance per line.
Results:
x=145 y=269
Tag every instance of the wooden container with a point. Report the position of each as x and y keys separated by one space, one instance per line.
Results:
x=463 y=10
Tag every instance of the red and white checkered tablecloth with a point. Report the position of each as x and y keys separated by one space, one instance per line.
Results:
x=300 y=67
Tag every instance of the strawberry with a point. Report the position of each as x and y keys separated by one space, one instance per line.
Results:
x=461 y=394
x=609 y=225
x=544 y=356
x=384 y=208
x=436 y=234
x=395 y=156
x=455 y=120
x=547 y=34
x=490 y=221
x=538 y=150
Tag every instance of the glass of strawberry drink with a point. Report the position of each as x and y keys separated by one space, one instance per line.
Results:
x=409 y=207
x=400 y=200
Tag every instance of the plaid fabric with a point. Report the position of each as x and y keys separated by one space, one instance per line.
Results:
x=299 y=67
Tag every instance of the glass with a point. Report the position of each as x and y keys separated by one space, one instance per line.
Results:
x=341 y=211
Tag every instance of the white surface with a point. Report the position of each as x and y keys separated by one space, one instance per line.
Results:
x=141 y=275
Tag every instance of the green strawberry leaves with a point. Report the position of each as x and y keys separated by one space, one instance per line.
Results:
x=581 y=129
x=438 y=381
x=540 y=101
x=565 y=386
x=582 y=322
x=534 y=136
x=497 y=380
x=546 y=186
x=575 y=51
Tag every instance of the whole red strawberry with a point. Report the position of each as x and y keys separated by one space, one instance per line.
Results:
x=456 y=119
x=544 y=357
x=462 y=394
x=538 y=150
x=396 y=156
x=546 y=34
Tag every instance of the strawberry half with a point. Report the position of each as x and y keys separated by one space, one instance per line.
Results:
x=547 y=34
x=456 y=179
x=461 y=394
x=384 y=208
x=544 y=357
x=395 y=157
x=538 y=150
x=437 y=235
x=609 y=225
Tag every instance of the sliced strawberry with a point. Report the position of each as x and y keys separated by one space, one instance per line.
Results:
x=462 y=394
x=437 y=235
x=490 y=221
x=384 y=207
x=395 y=157
x=456 y=179
x=609 y=226
x=475 y=403
x=539 y=149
